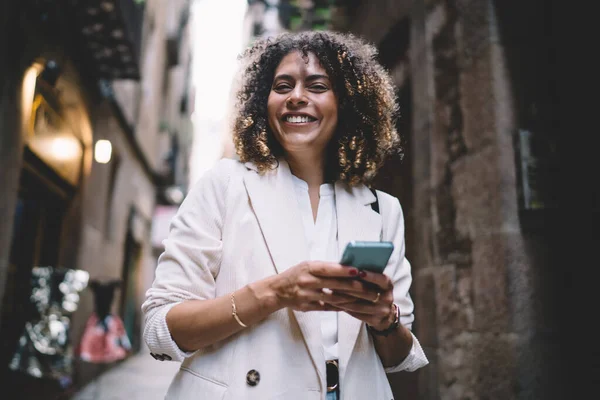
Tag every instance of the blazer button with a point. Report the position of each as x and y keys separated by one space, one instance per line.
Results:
x=252 y=377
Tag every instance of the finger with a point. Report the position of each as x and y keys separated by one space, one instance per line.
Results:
x=331 y=297
x=374 y=296
x=331 y=270
x=380 y=280
x=328 y=296
x=377 y=311
x=309 y=296
x=337 y=284
x=355 y=288
x=313 y=306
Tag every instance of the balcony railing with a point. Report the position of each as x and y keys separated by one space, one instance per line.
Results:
x=105 y=36
x=112 y=31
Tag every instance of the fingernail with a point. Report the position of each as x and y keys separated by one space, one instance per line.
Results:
x=353 y=271
x=362 y=274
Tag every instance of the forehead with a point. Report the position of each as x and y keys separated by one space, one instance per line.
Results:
x=295 y=63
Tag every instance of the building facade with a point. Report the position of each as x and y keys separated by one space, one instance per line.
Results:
x=94 y=107
x=479 y=91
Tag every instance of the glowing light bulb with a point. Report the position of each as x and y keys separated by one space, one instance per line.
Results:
x=103 y=151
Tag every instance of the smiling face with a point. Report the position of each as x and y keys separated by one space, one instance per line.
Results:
x=302 y=106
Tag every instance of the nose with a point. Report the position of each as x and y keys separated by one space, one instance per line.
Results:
x=297 y=97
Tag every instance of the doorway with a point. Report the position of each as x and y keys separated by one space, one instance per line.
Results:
x=37 y=227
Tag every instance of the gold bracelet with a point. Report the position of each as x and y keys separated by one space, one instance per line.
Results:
x=234 y=312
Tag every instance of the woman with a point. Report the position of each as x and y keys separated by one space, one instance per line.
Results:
x=248 y=293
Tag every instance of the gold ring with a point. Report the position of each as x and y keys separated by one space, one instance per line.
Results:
x=377 y=298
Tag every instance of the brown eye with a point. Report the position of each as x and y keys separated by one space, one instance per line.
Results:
x=319 y=88
x=282 y=87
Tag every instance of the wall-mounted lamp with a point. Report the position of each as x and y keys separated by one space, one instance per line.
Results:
x=103 y=151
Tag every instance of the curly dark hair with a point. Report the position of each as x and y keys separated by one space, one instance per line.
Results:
x=367 y=105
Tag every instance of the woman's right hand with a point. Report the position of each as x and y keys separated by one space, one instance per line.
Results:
x=313 y=285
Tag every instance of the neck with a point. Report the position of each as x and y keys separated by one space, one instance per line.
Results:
x=308 y=167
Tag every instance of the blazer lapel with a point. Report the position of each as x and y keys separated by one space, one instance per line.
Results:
x=273 y=199
x=356 y=221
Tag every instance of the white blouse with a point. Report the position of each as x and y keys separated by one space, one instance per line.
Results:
x=322 y=240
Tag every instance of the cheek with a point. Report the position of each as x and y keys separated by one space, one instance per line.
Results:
x=331 y=105
x=272 y=109
x=332 y=113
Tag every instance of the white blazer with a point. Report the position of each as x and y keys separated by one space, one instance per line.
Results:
x=235 y=227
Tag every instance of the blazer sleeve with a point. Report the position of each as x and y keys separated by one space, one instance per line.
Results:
x=191 y=259
x=399 y=270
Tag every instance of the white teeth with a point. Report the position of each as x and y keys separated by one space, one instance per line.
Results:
x=297 y=119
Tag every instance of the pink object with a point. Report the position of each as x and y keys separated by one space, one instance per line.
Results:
x=104 y=341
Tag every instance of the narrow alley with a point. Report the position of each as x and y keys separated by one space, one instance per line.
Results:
x=140 y=377
x=111 y=112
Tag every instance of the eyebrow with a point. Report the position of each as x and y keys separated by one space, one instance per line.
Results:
x=312 y=77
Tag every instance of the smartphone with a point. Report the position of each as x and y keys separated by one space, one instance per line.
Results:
x=370 y=256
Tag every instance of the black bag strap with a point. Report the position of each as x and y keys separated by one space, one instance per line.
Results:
x=375 y=205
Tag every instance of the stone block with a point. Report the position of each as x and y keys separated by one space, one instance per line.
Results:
x=457 y=370
x=494 y=359
x=478 y=104
x=435 y=20
x=453 y=292
x=485 y=199
x=422 y=247
x=476 y=26
x=491 y=259
x=426 y=327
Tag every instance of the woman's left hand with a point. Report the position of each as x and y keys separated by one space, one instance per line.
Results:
x=374 y=304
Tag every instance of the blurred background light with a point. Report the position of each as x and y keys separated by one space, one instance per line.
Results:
x=103 y=151
x=66 y=148
x=28 y=89
x=217 y=37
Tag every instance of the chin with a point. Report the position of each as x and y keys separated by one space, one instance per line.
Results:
x=299 y=138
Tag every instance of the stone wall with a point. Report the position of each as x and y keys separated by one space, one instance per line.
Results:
x=484 y=284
